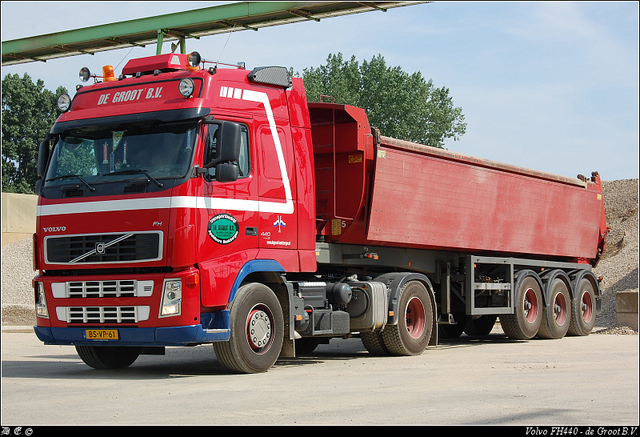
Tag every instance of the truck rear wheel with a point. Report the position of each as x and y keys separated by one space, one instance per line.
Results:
x=583 y=309
x=556 y=317
x=525 y=322
x=374 y=343
x=108 y=357
x=257 y=331
x=411 y=335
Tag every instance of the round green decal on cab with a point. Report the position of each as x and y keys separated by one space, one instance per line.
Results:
x=223 y=228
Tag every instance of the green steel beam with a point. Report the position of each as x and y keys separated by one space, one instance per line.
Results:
x=178 y=26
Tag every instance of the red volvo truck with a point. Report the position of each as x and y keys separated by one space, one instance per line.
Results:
x=181 y=205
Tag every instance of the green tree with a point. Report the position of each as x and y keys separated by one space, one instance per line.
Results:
x=401 y=105
x=28 y=112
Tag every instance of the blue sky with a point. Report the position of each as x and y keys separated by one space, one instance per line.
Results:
x=550 y=86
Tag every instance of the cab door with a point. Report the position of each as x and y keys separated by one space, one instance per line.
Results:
x=229 y=228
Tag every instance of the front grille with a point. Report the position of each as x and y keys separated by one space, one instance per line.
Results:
x=104 y=248
x=102 y=315
x=98 y=289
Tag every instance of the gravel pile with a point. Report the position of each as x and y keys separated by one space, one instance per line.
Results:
x=619 y=264
x=17 y=291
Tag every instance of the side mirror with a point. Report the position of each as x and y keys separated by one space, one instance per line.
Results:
x=230 y=142
x=43 y=157
x=226 y=172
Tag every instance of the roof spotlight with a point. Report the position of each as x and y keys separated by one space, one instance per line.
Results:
x=186 y=87
x=64 y=102
x=194 y=60
x=85 y=74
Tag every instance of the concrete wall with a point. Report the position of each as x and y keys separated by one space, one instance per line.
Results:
x=627 y=308
x=18 y=216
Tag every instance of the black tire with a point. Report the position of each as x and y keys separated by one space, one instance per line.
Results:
x=446 y=331
x=480 y=327
x=374 y=343
x=411 y=335
x=108 y=357
x=525 y=322
x=557 y=314
x=255 y=306
x=583 y=309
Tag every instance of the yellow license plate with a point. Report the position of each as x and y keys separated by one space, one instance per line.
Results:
x=101 y=334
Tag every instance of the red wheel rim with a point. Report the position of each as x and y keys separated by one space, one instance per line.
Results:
x=560 y=309
x=530 y=305
x=415 y=318
x=587 y=307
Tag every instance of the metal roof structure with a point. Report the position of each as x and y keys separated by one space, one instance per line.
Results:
x=179 y=26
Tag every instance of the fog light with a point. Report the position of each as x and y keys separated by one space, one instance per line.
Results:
x=171 y=298
x=41 y=301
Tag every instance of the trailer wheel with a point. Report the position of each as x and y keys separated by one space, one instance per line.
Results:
x=583 y=309
x=411 y=335
x=480 y=327
x=257 y=331
x=525 y=322
x=108 y=357
x=557 y=315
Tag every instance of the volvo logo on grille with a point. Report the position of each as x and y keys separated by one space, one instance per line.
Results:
x=100 y=249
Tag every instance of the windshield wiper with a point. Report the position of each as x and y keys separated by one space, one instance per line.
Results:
x=66 y=176
x=134 y=171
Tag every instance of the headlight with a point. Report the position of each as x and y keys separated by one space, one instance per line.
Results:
x=171 y=298
x=186 y=87
x=64 y=102
x=41 y=301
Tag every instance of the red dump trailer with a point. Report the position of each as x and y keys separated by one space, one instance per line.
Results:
x=181 y=205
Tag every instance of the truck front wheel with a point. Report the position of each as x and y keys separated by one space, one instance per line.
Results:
x=108 y=357
x=411 y=335
x=257 y=331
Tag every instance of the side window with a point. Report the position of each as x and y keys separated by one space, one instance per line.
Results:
x=211 y=145
x=243 y=163
x=211 y=150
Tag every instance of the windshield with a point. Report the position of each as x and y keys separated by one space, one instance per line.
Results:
x=102 y=154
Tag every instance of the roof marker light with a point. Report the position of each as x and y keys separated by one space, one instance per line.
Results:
x=108 y=74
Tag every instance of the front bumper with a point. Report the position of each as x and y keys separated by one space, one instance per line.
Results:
x=145 y=337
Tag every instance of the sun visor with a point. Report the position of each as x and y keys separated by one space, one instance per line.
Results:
x=278 y=76
x=162 y=116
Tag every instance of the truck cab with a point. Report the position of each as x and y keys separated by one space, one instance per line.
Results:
x=160 y=192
